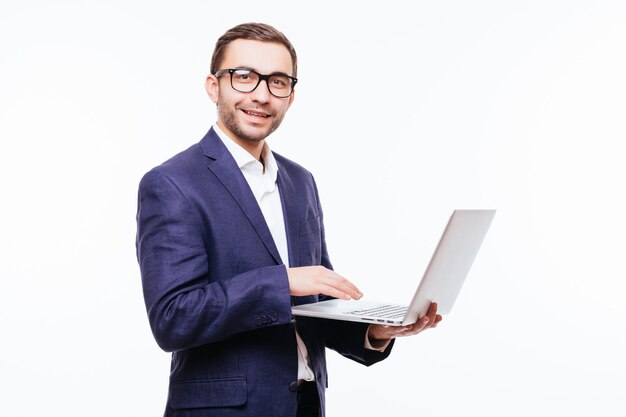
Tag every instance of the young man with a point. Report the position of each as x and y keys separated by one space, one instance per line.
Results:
x=230 y=236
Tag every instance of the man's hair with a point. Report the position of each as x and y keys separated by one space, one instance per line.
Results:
x=251 y=31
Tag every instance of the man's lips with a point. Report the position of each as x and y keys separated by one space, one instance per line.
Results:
x=255 y=113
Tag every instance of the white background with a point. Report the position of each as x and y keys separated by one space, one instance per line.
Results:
x=404 y=111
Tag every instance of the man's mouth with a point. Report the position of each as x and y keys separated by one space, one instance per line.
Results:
x=256 y=113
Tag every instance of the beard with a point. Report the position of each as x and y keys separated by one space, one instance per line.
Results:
x=229 y=118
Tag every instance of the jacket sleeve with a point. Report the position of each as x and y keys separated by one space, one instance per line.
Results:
x=186 y=308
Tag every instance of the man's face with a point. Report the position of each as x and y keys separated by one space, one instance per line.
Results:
x=250 y=116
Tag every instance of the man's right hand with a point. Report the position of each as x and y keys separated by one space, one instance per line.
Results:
x=313 y=280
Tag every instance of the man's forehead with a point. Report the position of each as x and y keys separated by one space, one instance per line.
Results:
x=264 y=57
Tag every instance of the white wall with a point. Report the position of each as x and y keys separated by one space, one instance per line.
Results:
x=517 y=106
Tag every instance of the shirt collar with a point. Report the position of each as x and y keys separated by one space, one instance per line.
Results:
x=246 y=162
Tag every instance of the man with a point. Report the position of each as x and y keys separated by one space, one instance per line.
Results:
x=230 y=236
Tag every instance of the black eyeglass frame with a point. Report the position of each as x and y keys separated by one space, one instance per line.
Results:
x=262 y=77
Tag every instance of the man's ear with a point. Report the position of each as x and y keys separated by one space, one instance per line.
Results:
x=212 y=87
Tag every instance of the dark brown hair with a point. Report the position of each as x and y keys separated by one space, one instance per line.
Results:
x=252 y=31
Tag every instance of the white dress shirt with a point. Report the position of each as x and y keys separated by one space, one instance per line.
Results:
x=262 y=182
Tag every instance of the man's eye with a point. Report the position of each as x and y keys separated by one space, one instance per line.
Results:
x=243 y=75
x=280 y=82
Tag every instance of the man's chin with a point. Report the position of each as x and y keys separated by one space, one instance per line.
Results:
x=253 y=137
x=253 y=134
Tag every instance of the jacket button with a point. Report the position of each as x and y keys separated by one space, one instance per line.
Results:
x=293 y=387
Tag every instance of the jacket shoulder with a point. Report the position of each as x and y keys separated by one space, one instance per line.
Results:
x=179 y=166
x=291 y=166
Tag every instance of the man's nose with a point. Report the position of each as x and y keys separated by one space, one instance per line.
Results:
x=262 y=92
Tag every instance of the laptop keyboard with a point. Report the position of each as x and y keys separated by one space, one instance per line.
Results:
x=385 y=311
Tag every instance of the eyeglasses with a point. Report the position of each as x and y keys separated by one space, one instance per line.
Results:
x=246 y=80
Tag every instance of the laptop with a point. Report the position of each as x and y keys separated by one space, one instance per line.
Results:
x=441 y=283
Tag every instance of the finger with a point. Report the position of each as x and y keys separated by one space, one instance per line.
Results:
x=403 y=329
x=331 y=291
x=425 y=325
x=343 y=285
x=420 y=325
x=432 y=312
x=410 y=330
x=347 y=285
x=399 y=331
x=396 y=330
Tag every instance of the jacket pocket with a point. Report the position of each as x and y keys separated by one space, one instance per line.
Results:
x=223 y=392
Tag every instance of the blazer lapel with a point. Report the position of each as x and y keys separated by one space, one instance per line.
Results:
x=226 y=170
x=287 y=192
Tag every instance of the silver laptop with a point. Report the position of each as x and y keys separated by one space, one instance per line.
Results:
x=441 y=282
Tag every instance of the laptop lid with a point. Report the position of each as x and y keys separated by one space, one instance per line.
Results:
x=450 y=264
x=441 y=282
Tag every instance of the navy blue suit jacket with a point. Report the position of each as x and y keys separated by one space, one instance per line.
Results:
x=216 y=290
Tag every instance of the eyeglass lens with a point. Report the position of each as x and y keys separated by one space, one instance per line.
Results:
x=246 y=80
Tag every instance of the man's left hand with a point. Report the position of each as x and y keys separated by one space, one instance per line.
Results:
x=381 y=333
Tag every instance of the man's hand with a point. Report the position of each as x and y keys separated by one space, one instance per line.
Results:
x=313 y=280
x=380 y=333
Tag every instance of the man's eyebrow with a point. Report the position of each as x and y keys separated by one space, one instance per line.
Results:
x=280 y=73
x=244 y=67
